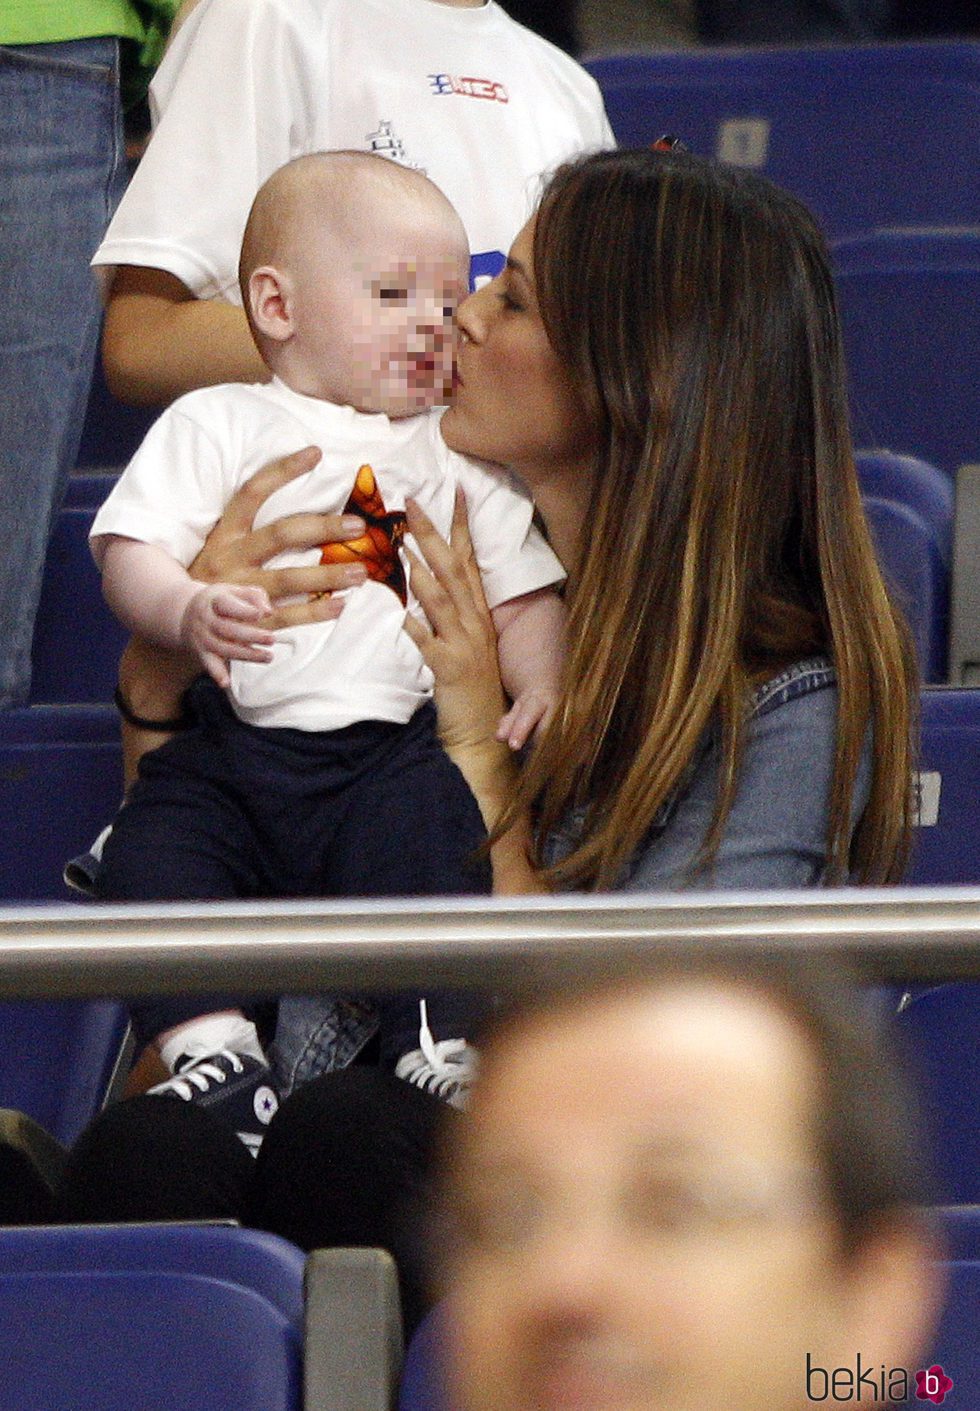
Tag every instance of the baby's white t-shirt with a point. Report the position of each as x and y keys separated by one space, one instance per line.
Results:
x=362 y=666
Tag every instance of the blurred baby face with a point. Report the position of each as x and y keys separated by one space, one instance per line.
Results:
x=374 y=315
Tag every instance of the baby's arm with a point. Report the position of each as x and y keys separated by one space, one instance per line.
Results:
x=152 y=594
x=531 y=649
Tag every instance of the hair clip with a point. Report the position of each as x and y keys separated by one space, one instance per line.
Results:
x=668 y=143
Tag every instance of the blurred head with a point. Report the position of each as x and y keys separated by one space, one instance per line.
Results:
x=670 y=1191
x=351 y=271
x=666 y=336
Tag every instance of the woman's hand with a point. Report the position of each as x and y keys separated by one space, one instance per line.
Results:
x=236 y=553
x=459 y=645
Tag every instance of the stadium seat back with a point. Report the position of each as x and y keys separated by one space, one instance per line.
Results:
x=112 y=431
x=60 y=783
x=57 y=1059
x=946 y=846
x=956 y=1346
x=919 y=579
x=938 y=1033
x=818 y=120
x=909 y=302
x=423 y=1380
x=86 y=489
x=961 y=1230
x=117 y=1317
x=906 y=480
x=77 y=640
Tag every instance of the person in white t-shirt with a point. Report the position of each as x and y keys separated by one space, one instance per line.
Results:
x=455 y=88
x=319 y=772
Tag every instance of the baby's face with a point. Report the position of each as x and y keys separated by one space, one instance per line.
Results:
x=376 y=328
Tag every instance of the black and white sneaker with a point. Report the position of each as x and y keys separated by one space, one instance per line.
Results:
x=237 y=1088
x=81 y=872
x=446 y=1068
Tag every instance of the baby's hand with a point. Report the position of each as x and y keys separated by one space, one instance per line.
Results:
x=529 y=715
x=218 y=625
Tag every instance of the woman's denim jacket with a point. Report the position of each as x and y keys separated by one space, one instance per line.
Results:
x=776 y=833
x=775 y=837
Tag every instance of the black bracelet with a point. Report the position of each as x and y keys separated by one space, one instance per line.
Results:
x=165 y=727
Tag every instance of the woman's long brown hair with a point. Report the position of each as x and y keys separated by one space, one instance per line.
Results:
x=694 y=307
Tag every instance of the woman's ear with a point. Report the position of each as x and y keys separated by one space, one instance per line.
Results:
x=270 y=301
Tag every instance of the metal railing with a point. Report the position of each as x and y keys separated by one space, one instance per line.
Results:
x=893 y=934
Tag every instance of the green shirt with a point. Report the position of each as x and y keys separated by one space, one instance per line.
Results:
x=147 y=22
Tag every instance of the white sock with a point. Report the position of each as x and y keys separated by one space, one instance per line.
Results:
x=209 y=1034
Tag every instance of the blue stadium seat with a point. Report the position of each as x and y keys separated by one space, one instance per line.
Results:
x=818 y=121
x=920 y=568
x=77 y=640
x=919 y=579
x=961 y=1230
x=177 y=1317
x=939 y=1035
x=57 y=1059
x=422 y=1384
x=946 y=849
x=908 y=301
x=905 y=480
x=60 y=783
x=111 y=431
x=86 y=489
x=956 y=1346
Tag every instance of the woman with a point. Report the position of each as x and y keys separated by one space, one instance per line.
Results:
x=693 y=467
x=661 y=362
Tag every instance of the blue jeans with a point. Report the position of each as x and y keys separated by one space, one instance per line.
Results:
x=60 y=168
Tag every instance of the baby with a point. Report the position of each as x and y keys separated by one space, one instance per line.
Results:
x=317 y=771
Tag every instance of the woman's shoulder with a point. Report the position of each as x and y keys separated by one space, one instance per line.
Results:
x=776 y=832
x=791 y=732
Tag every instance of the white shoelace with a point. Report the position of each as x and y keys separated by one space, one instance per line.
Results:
x=200 y=1076
x=443 y=1057
x=447 y=1067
